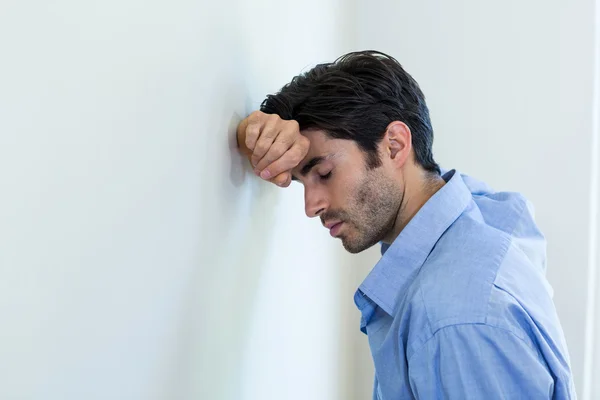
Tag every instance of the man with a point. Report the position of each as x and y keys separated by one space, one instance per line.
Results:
x=458 y=306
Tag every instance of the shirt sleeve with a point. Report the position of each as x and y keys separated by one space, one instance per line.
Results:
x=477 y=361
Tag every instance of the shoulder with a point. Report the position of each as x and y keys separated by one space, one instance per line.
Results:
x=468 y=276
x=457 y=278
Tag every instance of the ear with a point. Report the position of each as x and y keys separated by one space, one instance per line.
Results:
x=397 y=142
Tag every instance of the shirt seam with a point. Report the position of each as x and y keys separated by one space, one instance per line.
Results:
x=521 y=211
x=505 y=246
x=474 y=324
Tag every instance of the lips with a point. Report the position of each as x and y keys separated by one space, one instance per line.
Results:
x=334 y=229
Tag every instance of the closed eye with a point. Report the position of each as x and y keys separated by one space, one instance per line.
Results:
x=326 y=176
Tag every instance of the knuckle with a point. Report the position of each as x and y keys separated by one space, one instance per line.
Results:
x=277 y=148
x=260 y=148
x=266 y=160
x=275 y=167
x=301 y=149
x=296 y=156
x=256 y=115
x=294 y=124
x=304 y=146
x=252 y=130
x=289 y=136
x=269 y=132
x=249 y=142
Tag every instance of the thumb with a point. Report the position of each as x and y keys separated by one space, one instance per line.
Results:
x=284 y=179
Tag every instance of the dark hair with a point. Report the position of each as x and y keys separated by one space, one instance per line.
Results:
x=356 y=97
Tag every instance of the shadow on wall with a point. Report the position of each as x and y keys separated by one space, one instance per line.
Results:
x=235 y=258
x=235 y=219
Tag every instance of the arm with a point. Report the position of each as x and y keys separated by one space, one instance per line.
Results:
x=477 y=361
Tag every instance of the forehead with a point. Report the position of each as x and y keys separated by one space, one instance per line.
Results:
x=321 y=145
x=318 y=140
x=327 y=148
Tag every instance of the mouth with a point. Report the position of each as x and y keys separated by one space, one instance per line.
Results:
x=334 y=230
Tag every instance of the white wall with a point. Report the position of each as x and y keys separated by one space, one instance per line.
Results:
x=510 y=88
x=591 y=387
x=139 y=259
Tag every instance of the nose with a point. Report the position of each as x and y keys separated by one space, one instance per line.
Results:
x=315 y=202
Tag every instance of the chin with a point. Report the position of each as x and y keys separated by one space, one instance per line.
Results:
x=355 y=248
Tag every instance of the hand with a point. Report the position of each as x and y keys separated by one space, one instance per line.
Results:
x=274 y=146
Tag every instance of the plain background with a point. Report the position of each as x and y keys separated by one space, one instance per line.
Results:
x=140 y=258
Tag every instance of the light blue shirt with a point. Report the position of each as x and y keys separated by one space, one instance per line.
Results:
x=458 y=307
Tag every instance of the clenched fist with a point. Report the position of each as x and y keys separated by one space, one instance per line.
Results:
x=274 y=146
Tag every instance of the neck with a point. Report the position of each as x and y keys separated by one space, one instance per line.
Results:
x=418 y=189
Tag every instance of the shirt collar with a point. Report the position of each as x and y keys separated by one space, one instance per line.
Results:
x=402 y=260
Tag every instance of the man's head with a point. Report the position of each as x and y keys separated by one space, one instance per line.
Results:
x=369 y=128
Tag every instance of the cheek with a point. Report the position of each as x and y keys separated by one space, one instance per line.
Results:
x=362 y=194
x=352 y=192
x=362 y=190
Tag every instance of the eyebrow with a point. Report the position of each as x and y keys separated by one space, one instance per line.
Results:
x=309 y=165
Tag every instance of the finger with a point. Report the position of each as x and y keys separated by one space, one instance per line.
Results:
x=267 y=135
x=284 y=179
x=252 y=133
x=286 y=162
x=282 y=143
x=288 y=181
x=276 y=151
x=252 y=125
